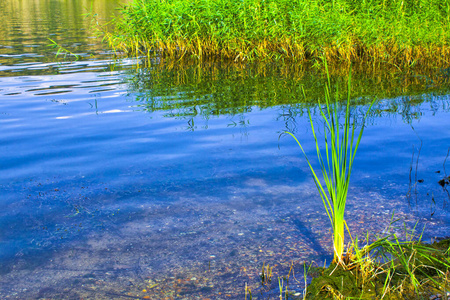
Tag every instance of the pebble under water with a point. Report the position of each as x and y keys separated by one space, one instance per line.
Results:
x=173 y=182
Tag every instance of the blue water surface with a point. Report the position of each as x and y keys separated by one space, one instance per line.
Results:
x=106 y=193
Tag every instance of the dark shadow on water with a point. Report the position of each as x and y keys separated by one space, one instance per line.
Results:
x=308 y=236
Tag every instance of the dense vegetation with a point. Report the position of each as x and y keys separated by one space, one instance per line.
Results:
x=403 y=33
x=394 y=270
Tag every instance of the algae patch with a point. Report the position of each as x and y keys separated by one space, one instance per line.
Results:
x=388 y=279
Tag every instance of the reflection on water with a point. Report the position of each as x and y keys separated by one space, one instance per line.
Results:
x=217 y=89
x=171 y=181
x=28 y=25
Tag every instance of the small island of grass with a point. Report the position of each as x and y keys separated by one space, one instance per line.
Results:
x=400 y=33
x=395 y=270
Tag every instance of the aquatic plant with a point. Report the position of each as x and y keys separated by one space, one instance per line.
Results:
x=387 y=266
x=401 y=33
x=62 y=50
x=266 y=274
x=391 y=267
x=341 y=145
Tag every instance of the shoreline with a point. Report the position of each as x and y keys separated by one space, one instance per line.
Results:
x=400 y=34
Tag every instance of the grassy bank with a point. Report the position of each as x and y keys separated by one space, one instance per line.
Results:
x=403 y=33
x=395 y=270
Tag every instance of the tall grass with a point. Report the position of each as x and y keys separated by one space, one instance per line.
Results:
x=341 y=144
x=386 y=267
x=403 y=33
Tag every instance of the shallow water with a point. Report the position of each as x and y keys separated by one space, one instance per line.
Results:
x=172 y=181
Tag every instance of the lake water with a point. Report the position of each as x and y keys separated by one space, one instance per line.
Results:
x=172 y=182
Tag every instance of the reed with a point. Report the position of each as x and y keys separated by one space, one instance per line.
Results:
x=341 y=144
x=388 y=267
x=402 y=33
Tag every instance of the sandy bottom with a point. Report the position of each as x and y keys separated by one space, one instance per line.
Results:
x=193 y=249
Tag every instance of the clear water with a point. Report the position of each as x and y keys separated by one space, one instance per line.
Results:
x=172 y=182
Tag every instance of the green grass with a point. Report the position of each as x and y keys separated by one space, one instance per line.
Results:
x=388 y=268
x=341 y=144
x=402 y=33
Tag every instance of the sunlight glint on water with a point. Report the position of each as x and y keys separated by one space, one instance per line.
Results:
x=114 y=180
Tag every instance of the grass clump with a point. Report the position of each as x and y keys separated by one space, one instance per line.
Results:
x=403 y=33
x=386 y=269
x=341 y=145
